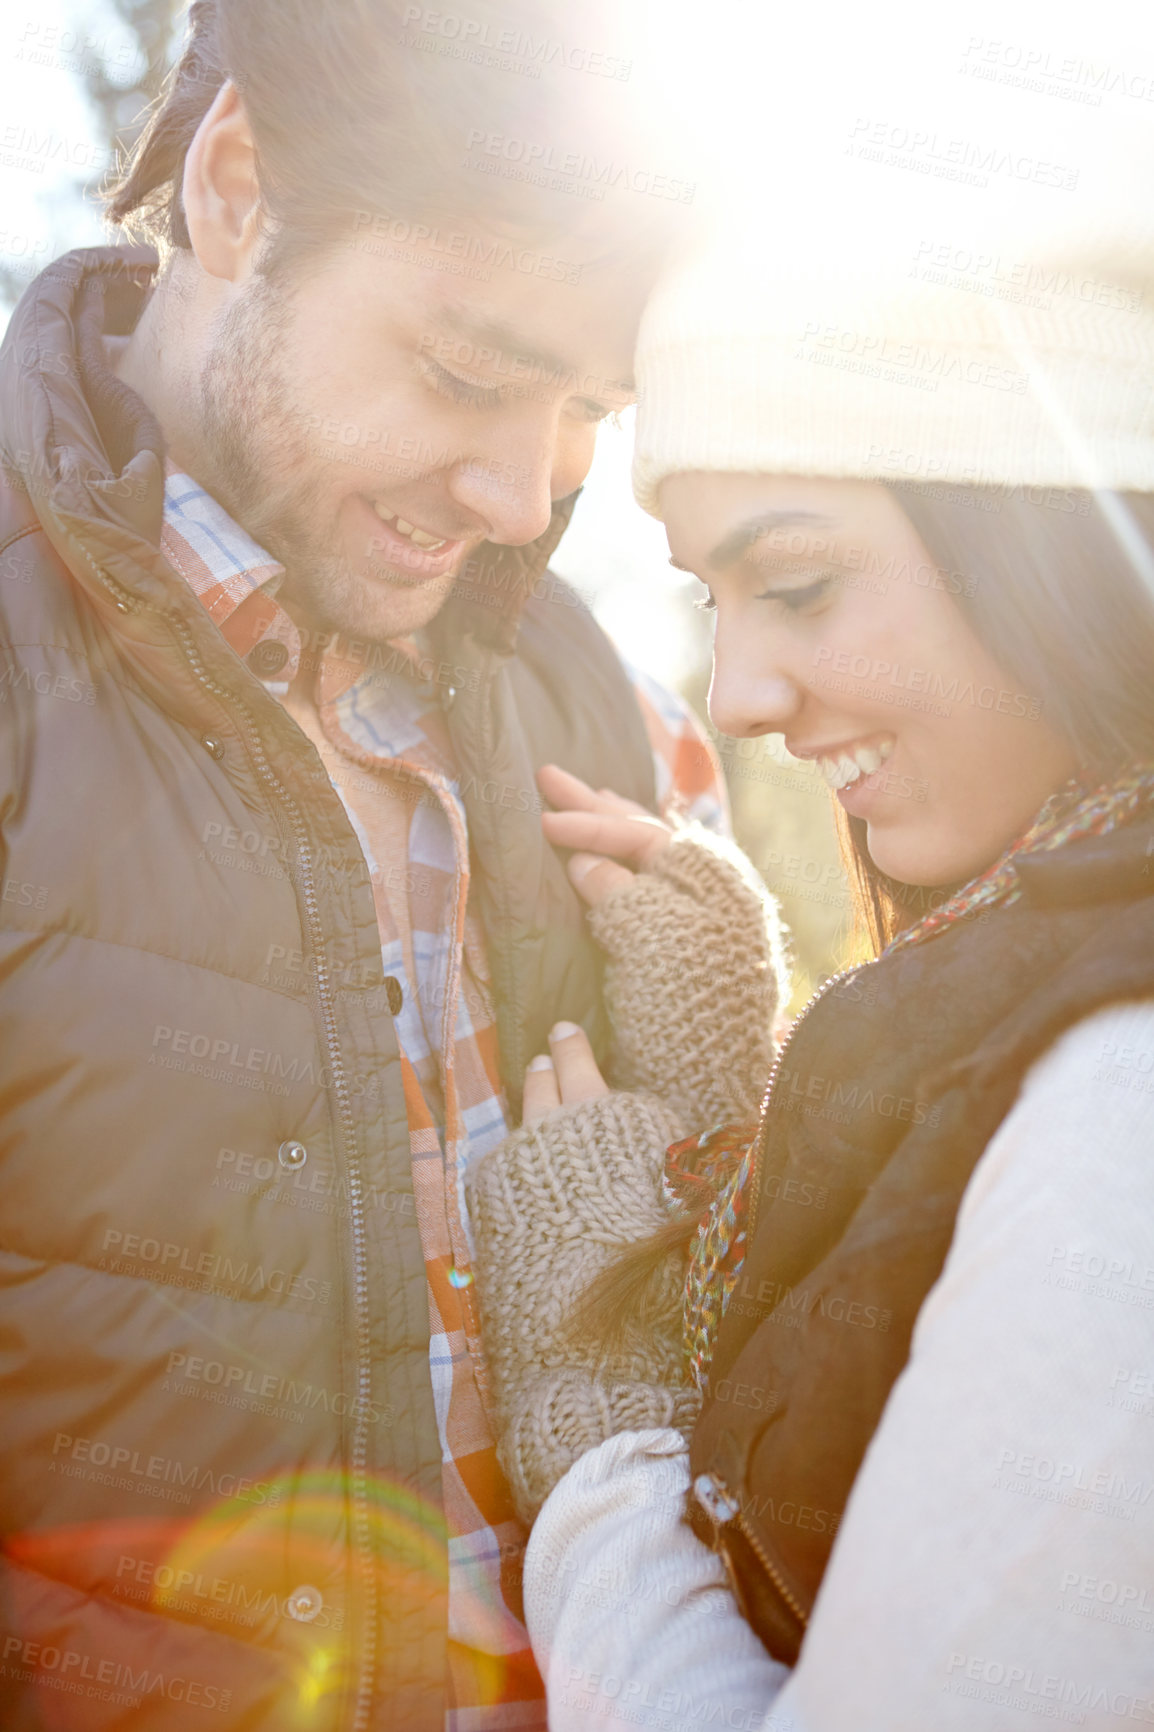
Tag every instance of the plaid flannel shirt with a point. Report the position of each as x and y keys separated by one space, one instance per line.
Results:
x=385 y=745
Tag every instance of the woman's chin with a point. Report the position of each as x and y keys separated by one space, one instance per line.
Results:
x=907 y=860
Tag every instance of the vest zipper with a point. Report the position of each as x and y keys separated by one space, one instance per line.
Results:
x=128 y=603
x=710 y=1490
x=724 y=1511
x=766 y=1099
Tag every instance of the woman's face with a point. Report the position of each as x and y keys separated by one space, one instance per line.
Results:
x=835 y=628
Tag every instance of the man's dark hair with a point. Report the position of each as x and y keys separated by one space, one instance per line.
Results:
x=352 y=113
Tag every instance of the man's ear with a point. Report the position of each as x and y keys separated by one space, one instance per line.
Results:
x=220 y=190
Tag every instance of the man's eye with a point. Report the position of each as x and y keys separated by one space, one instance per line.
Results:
x=461 y=390
x=586 y=409
x=797 y=600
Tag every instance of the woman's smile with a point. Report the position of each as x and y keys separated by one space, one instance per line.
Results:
x=884 y=684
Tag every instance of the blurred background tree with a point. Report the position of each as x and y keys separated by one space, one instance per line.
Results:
x=122 y=93
x=114 y=55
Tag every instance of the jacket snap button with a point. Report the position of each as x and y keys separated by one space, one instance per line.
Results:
x=394 y=994
x=304 y=1603
x=292 y=1155
x=213 y=746
x=267 y=658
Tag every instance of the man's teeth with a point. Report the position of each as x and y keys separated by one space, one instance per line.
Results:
x=418 y=537
x=853 y=763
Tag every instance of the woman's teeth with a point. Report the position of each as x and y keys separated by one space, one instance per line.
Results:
x=854 y=762
x=418 y=537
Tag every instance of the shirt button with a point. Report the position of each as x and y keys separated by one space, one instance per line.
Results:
x=394 y=994
x=292 y=1155
x=267 y=658
x=213 y=746
x=304 y=1603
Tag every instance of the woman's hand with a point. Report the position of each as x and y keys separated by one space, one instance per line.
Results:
x=694 y=970
x=551 y=1210
x=567 y=1074
x=597 y=825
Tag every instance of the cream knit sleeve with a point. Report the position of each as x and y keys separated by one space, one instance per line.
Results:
x=552 y=1208
x=695 y=971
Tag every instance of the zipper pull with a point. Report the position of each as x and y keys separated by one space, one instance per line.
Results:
x=716 y=1499
x=722 y=1507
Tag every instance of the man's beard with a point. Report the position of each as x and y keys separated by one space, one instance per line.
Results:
x=255 y=459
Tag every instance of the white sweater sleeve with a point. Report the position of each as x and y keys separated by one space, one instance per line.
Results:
x=996 y=1560
x=630 y=1615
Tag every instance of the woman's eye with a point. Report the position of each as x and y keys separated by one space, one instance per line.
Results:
x=461 y=390
x=797 y=600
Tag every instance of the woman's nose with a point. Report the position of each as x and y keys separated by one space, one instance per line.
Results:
x=750 y=692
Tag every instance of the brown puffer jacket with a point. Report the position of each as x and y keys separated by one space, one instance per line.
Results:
x=219 y=1461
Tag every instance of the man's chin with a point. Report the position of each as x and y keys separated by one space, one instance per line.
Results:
x=377 y=606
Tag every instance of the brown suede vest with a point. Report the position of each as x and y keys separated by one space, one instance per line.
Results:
x=885 y=1099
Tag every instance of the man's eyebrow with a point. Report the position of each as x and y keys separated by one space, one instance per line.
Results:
x=495 y=334
x=738 y=542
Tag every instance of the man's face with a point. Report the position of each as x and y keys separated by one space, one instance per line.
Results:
x=372 y=423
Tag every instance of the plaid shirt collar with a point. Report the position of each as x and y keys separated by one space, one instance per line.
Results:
x=237 y=582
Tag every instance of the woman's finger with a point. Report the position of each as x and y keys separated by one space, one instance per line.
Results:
x=569 y=793
x=561 y=788
x=541 y=1091
x=594 y=878
x=577 y=1074
x=638 y=839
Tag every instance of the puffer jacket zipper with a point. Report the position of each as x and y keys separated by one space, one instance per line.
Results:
x=128 y=603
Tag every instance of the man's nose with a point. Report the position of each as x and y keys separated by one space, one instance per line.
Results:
x=749 y=694
x=509 y=488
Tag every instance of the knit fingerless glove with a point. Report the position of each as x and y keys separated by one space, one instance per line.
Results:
x=695 y=971
x=550 y=1209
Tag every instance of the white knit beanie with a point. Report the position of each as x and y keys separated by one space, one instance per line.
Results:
x=1012 y=371
x=959 y=312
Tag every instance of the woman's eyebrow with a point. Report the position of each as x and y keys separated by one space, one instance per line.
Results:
x=737 y=543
